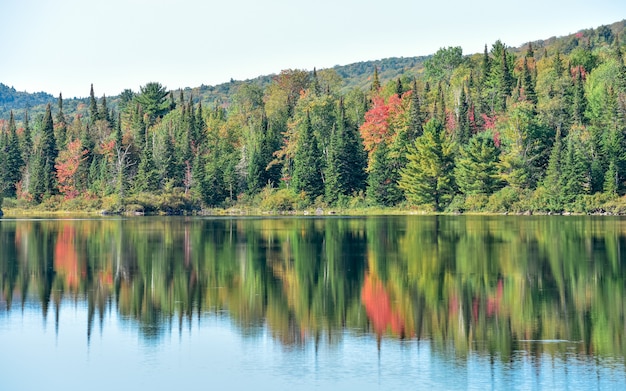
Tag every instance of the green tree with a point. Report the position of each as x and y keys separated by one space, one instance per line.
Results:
x=345 y=170
x=553 y=180
x=44 y=176
x=428 y=180
x=382 y=180
x=147 y=178
x=476 y=168
x=61 y=125
x=93 y=107
x=528 y=84
x=153 y=100
x=463 y=131
x=441 y=65
x=576 y=172
x=307 y=169
x=13 y=162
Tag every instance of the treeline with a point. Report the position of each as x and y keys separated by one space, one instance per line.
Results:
x=490 y=132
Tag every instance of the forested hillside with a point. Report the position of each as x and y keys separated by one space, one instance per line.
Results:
x=538 y=128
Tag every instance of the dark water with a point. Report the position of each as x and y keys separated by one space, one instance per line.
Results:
x=390 y=303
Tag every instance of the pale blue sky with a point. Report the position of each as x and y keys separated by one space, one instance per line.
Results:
x=65 y=45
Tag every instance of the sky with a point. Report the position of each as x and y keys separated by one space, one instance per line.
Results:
x=63 y=46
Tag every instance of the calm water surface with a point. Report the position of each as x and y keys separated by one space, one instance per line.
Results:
x=377 y=303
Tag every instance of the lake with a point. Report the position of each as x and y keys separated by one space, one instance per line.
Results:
x=350 y=303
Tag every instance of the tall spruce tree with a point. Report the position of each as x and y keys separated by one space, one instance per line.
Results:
x=13 y=162
x=382 y=181
x=345 y=170
x=528 y=84
x=476 y=169
x=463 y=121
x=415 y=115
x=428 y=180
x=44 y=181
x=61 y=125
x=94 y=114
x=307 y=164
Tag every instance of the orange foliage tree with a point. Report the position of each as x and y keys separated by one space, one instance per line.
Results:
x=67 y=166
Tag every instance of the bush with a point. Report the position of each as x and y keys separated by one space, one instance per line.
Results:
x=503 y=200
x=279 y=200
x=457 y=205
x=476 y=202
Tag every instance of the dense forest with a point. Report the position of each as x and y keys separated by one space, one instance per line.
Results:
x=542 y=128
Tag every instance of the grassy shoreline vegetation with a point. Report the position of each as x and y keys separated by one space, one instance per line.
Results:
x=536 y=129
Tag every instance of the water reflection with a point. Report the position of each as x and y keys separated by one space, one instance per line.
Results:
x=492 y=286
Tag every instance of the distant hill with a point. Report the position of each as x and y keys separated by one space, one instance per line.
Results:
x=356 y=75
x=10 y=99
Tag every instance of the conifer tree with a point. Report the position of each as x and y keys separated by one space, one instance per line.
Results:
x=382 y=181
x=4 y=181
x=505 y=82
x=476 y=169
x=486 y=67
x=375 y=82
x=93 y=107
x=103 y=112
x=345 y=170
x=579 y=104
x=147 y=178
x=463 y=123
x=553 y=181
x=576 y=171
x=26 y=144
x=44 y=182
x=12 y=159
x=557 y=64
x=428 y=180
x=399 y=88
x=415 y=115
x=61 y=126
x=307 y=162
x=528 y=84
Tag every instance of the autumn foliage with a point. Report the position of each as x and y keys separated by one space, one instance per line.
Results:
x=67 y=166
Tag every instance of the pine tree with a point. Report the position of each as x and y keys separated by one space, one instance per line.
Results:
x=579 y=104
x=375 y=82
x=527 y=84
x=61 y=127
x=13 y=159
x=428 y=178
x=553 y=181
x=557 y=65
x=307 y=163
x=505 y=82
x=345 y=170
x=93 y=107
x=530 y=52
x=27 y=140
x=4 y=181
x=399 y=88
x=486 y=67
x=103 y=112
x=476 y=169
x=611 y=180
x=147 y=179
x=463 y=123
x=44 y=177
x=576 y=171
x=415 y=115
x=315 y=84
x=382 y=181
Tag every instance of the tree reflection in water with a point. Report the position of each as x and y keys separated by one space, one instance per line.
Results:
x=492 y=285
